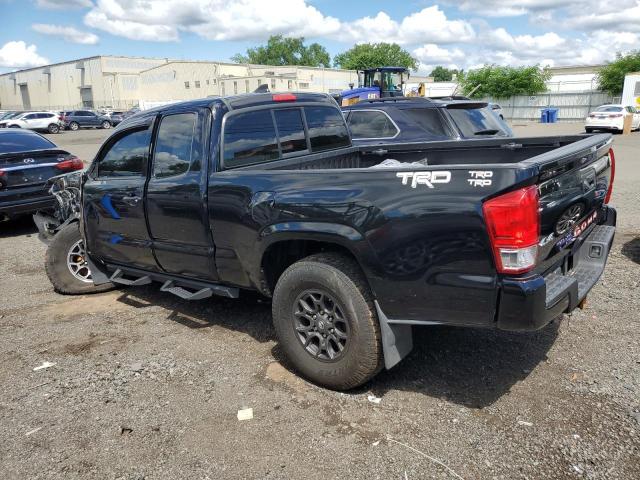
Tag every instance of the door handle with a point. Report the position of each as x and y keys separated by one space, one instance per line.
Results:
x=133 y=200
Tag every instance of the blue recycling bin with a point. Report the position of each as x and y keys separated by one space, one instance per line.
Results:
x=544 y=115
x=552 y=115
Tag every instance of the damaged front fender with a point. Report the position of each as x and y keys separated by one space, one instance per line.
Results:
x=66 y=189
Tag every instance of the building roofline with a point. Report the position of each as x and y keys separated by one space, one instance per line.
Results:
x=248 y=65
x=82 y=60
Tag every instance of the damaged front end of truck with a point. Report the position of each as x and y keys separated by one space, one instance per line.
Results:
x=66 y=190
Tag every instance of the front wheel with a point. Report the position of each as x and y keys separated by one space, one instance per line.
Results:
x=74 y=126
x=66 y=264
x=106 y=125
x=326 y=321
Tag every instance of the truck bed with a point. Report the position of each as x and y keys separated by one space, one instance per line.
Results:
x=486 y=152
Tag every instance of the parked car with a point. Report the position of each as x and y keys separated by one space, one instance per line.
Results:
x=76 y=119
x=41 y=121
x=27 y=161
x=116 y=117
x=497 y=109
x=10 y=114
x=354 y=244
x=611 y=117
x=415 y=119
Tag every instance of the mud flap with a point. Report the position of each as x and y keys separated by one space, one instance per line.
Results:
x=397 y=340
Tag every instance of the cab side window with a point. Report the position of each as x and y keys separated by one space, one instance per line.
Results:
x=250 y=138
x=175 y=145
x=127 y=156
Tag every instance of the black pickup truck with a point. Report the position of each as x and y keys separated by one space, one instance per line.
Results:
x=354 y=244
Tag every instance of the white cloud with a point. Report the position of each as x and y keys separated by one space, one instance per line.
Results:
x=619 y=19
x=431 y=25
x=428 y=25
x=432 y=54
x=130 y=29
x=17 y=54
x=69 y=34
x=64 y=4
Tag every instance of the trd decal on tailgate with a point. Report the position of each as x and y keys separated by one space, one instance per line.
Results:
x=480 y=178
x=424 y=178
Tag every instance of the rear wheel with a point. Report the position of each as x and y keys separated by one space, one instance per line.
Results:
x=53 y=128
x=66 y=264
x=106 y=124
x=588 y=130
x=326 y=321
x=74 y=126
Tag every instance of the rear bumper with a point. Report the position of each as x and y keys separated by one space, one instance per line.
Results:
x=27 y=206
x=532 y=303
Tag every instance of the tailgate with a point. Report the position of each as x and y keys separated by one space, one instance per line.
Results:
x=573 y=183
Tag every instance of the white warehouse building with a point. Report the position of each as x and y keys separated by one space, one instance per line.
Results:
x=124 y=82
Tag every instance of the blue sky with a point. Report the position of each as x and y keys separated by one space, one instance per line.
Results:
x=462 y=33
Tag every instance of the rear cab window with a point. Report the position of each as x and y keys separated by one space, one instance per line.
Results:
x=269 y=134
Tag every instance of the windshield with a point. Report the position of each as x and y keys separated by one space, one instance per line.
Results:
x=608 y=108
x=475 y=122
x=388 y=81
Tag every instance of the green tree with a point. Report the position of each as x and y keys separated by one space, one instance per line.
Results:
x=611 y=76
x=503 y=82
x=442 y=74
x=371 y=55
x=281 y=50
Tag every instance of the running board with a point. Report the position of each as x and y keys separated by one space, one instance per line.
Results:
x=118 y=277
x=185 y=288
x=171 y=287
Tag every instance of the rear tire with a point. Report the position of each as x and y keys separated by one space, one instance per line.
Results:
x=74 y=126
x=345 y=313
x=588 y=130
x=106 y=125
x=53 y=128
x=57 y=264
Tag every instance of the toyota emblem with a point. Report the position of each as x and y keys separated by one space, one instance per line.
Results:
x=28 y=160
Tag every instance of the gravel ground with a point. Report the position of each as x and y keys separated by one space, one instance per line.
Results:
x=146 y=386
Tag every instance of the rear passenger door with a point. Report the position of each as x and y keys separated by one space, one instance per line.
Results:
x=177 y=195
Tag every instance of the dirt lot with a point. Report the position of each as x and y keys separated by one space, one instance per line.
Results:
x=146 y=386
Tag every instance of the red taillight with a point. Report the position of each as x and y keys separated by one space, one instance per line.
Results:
x=611 y=176
x=513 y=223
x=70 y=163
x=591 y=115
x=284 y=97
